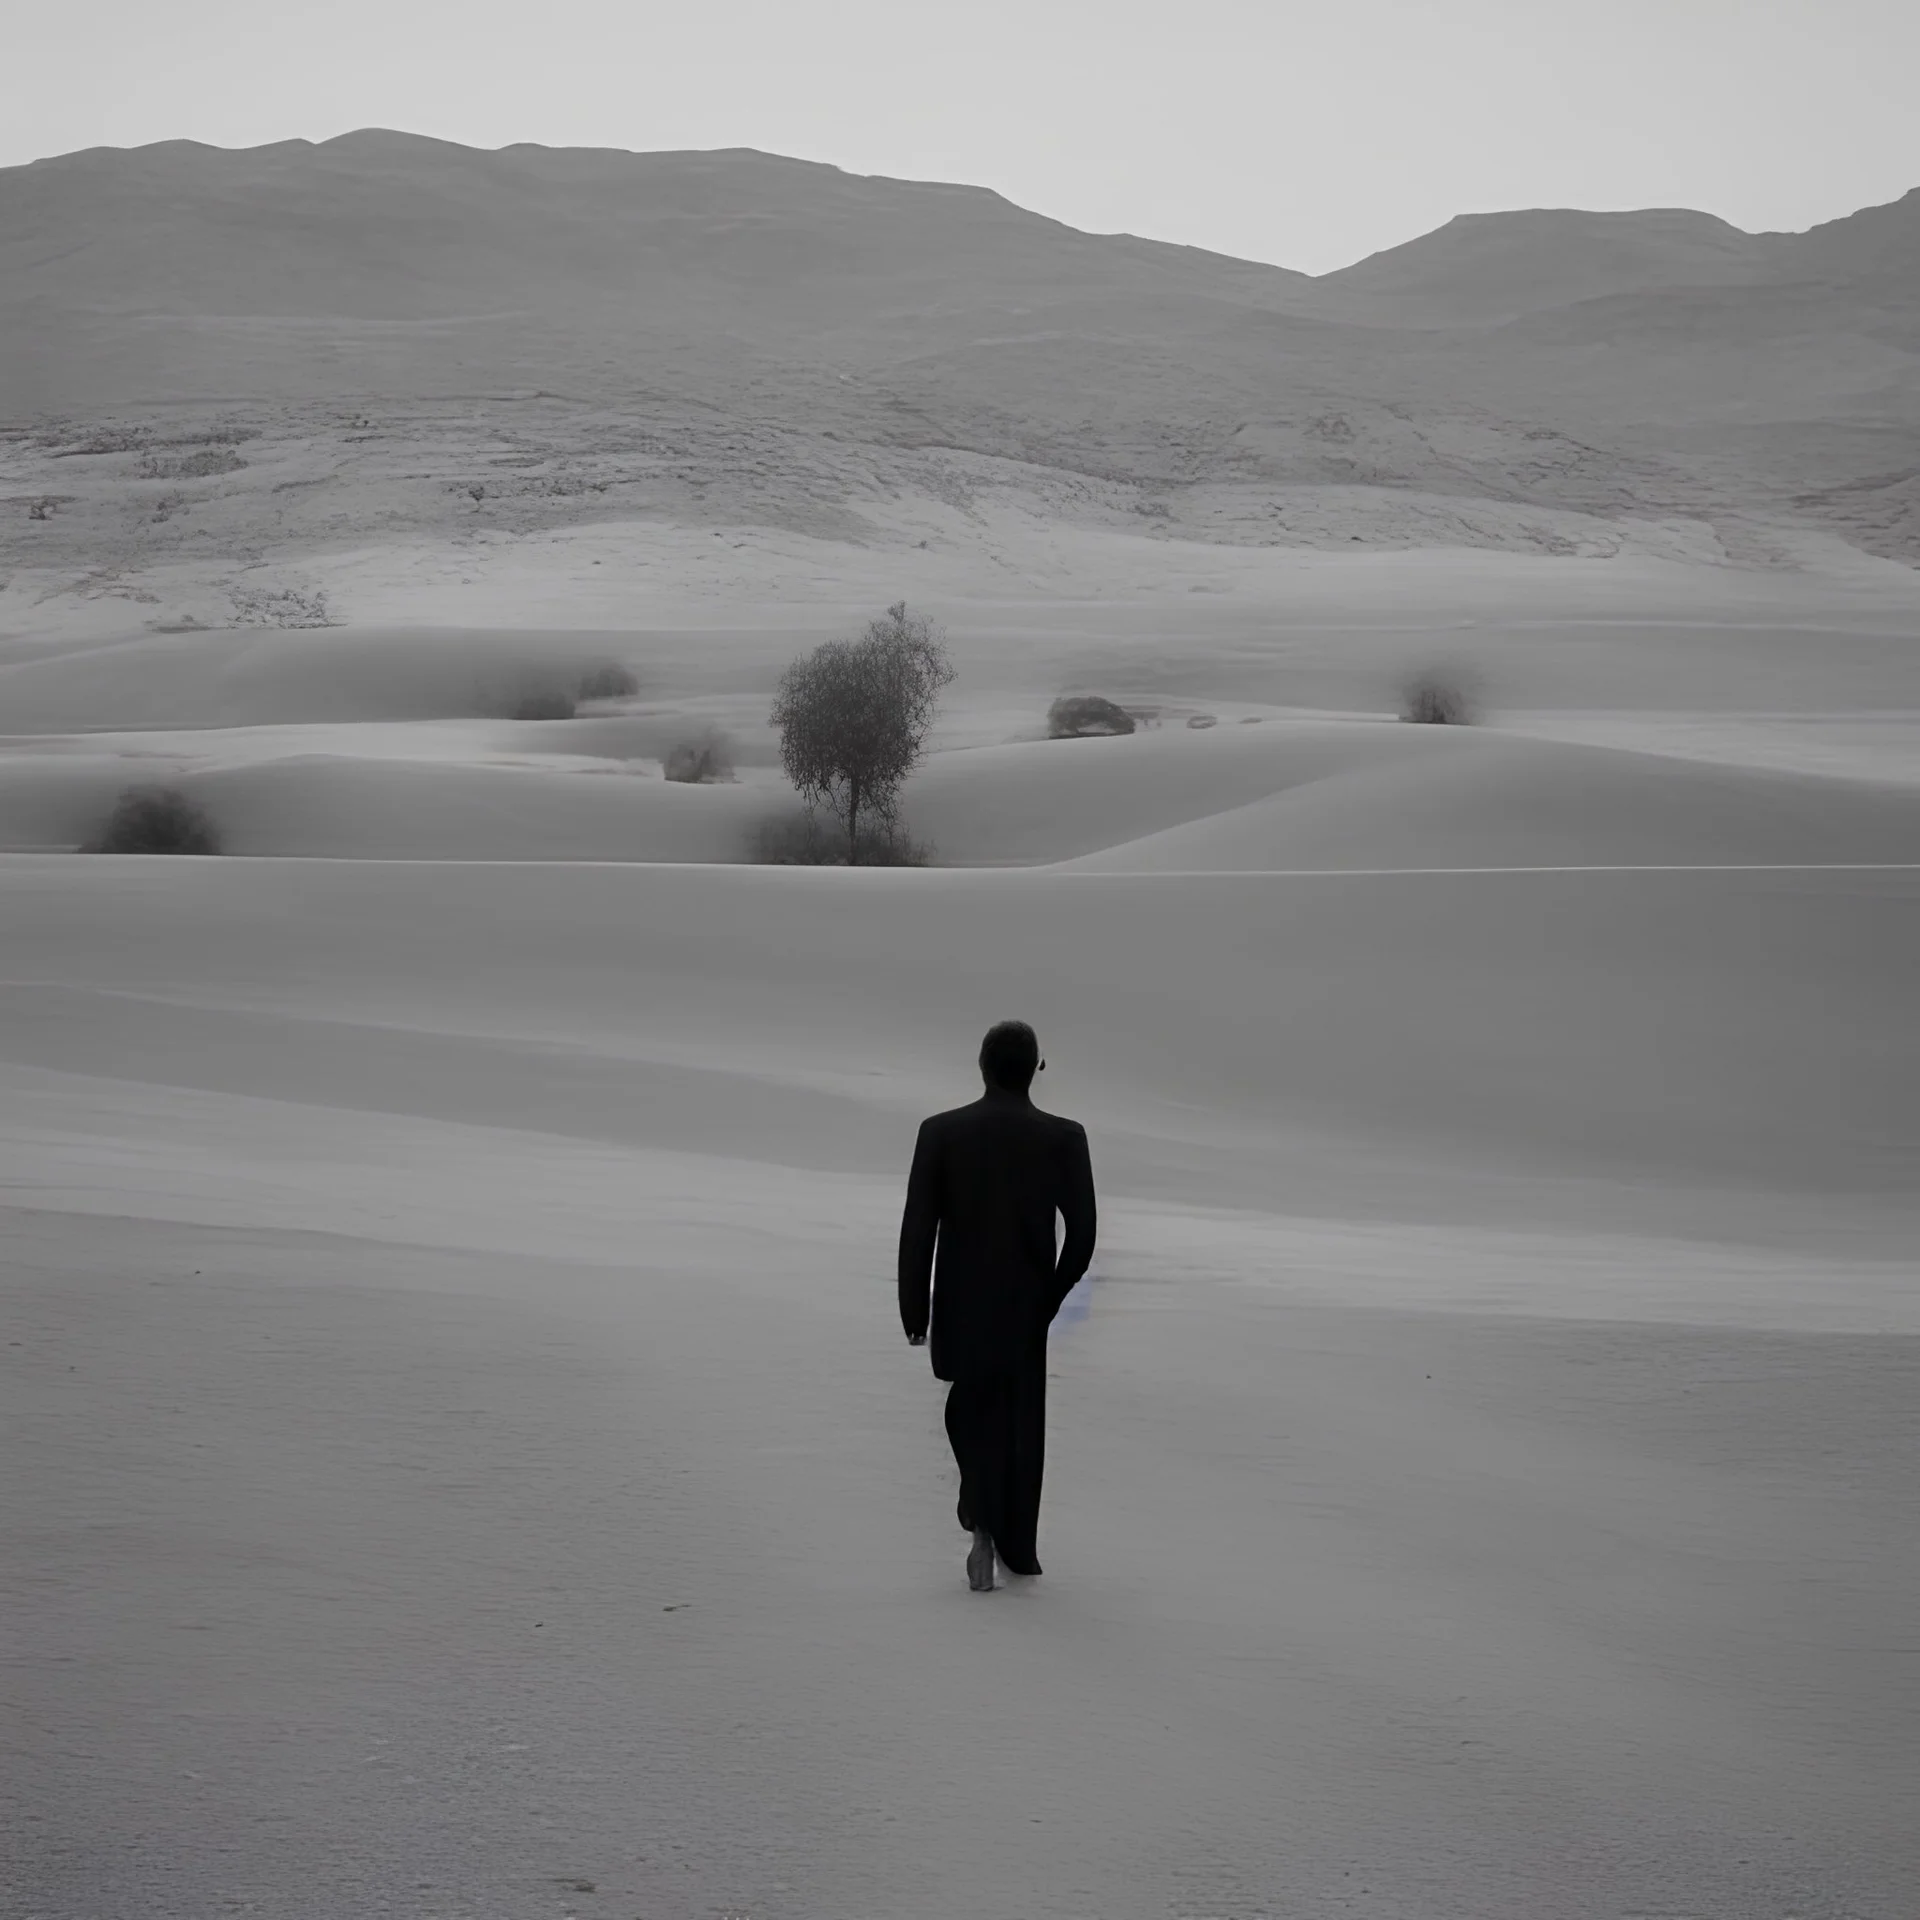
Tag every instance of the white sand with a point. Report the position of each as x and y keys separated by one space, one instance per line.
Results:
x=461 y=1445
x=368 y=741
x=1482 y=1465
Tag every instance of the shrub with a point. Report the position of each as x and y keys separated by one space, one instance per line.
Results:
x=1436 y=699
x=610 y=681
x=1074 y=716
x=190 y=466
x=802 y=840
x=110 y=440
x=157 y=820
x=700 y=762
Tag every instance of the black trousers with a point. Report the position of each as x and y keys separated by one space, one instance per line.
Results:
x=998 y=1426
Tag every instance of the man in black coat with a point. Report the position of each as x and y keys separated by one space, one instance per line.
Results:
x=986 y=1183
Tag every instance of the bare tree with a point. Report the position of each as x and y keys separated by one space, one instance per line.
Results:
x=854 y=715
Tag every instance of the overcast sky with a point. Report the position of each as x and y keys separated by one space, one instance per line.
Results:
x=1309 y=135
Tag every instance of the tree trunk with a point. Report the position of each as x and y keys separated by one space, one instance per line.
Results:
x=853 y=822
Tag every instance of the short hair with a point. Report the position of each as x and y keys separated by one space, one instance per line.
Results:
x=1009 y=1056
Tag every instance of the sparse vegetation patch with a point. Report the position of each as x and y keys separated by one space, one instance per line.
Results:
x=157 y=820
x=700 y=762
x=281 y=607
x=804 y=840
x=108 y=440
x=609 y=681
x=190 y=466
x=1076 y=716
x=1435 y=698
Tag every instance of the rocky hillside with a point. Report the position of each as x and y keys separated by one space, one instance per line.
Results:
x=735 y=334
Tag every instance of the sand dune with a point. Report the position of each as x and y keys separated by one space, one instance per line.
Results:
x=442 y=1293
x=389 y=741
x=443 y=1286
x=1037 y=801
x=349 y=810
x=1482 y=800
x=1260 y=791
x=247 y=678
x=346 y=806
x=428 y=1566
x=1578 y=1023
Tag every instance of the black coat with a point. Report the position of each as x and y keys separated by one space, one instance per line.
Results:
x=987 y=1181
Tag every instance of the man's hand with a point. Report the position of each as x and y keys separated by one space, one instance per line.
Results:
x=916 y=1339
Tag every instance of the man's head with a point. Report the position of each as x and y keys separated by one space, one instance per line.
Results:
x=1010 y=1056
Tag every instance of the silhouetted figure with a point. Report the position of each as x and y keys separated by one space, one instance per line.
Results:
x=987 y=1181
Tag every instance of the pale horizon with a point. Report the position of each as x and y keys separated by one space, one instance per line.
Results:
x=1306 y=142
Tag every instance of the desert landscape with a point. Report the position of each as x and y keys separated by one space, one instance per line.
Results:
x=448 y=1235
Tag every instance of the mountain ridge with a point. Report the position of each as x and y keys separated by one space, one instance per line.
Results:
x=1634 y=370
x=387 y=141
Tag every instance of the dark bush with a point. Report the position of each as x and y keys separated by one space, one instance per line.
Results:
x=1436 y=699
x=112 y=440
x=700 y=762
x=1075 y=716
x=157 y=820
x=803 y=840
x=610 y=681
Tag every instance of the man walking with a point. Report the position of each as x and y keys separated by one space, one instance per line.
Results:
x=987 y=1181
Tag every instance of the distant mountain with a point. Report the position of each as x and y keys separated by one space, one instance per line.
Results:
x=1876 y=247
x=182 y=269
x=1488 y=268
x=1484 y=267
x=1648 y=363
x=167 y=257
